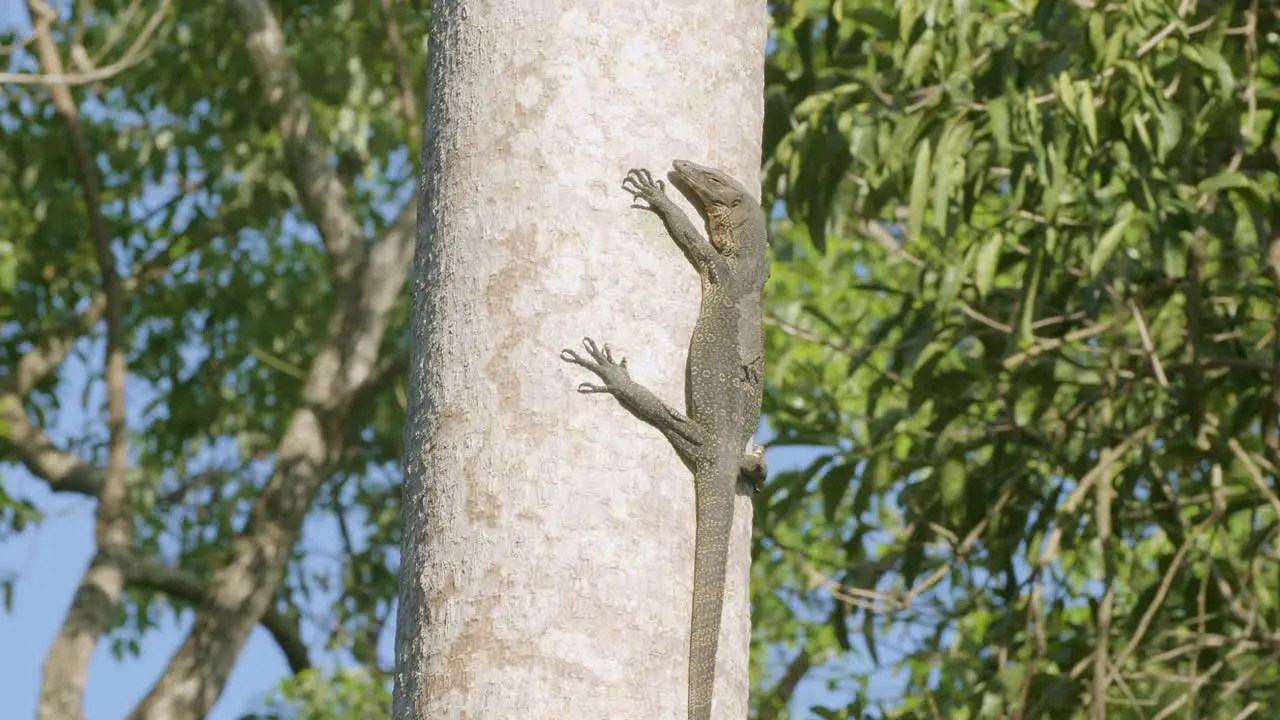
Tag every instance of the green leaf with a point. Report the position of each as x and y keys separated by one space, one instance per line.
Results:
x=1211 y=60
x=1228 y=180
x=953 y=277
x=948 y=164
x=921 y=180
x=1140 y=127
x=1088 y=116
x=1067 y=92
x=1031 y=282
x=869 y=636
x=988 y=260
x=918 y=57
x=1110 y=240
x=834 y=485
x=908 y=12
x=874 y=17
x=952 y=481
x=1170 y=130
x=998 y=114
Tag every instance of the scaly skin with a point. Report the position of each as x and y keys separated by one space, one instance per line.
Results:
x=723 y=382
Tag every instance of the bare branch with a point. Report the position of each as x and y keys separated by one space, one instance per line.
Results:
x=1148 y=346
x=1200 y=681
x=143 y=572
x=137 y=52
x=389 y=369
x=1162 y=592
x=1106 y=605
x=1100 y=471
x=1254 y=474
x=783 y=690
x=64 y=471
x=1051 y=344
x=1271 y=415
x=51 y=348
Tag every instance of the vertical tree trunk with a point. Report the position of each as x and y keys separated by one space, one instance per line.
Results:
x=547 y=553
x=66 y=666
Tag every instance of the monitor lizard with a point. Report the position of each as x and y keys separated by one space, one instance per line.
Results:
x=723 y=382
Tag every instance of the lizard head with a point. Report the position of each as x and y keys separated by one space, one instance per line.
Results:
x=721 y=200
x=713 y=188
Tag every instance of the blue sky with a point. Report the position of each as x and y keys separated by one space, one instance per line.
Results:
x=49 y=559
x=49 y=562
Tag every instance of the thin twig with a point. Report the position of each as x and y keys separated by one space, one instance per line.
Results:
x=1148 y=346
x=140 y=50
x=1254 y=475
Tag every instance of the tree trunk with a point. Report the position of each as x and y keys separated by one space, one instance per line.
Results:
x=548 y=536
x=66 y=665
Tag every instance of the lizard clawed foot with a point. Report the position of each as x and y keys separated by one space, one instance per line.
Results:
x=641 y=185
x=753 y=468
x=612 y=372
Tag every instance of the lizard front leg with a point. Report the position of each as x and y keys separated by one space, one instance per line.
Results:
x=685 y=435
x=641 y=185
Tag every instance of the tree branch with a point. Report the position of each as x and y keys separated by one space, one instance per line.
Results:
x=149 y=574
x=1271 y=415
x=92 y=609
x=796 y=670
x=408 y=100
x=320 y=190
x=64 y=471
x=134 y=55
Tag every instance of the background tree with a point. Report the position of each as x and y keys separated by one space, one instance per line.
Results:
x=256 y=208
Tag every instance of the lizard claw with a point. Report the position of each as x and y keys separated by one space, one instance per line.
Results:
x=641 y=185
x=753 y=468
x=601 y=362
x=570 y=356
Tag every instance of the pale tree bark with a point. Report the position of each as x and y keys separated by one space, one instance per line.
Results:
x=547 y=553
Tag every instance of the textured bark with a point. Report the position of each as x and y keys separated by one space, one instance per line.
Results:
x=547 y=553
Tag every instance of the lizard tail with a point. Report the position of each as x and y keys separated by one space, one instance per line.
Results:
x=710 y=554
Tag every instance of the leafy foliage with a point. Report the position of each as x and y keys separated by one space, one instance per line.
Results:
x=1025 y=300
x=328 y=696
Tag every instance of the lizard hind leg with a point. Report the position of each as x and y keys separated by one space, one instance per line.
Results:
x=753 y=469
